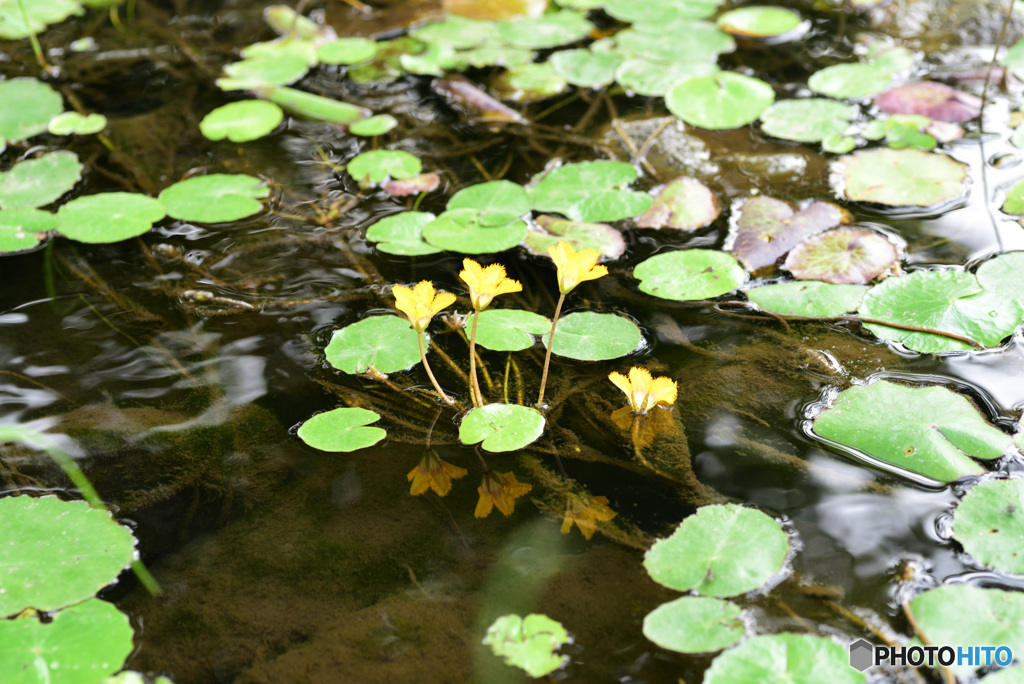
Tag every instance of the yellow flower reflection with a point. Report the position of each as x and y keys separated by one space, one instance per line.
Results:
x=575 y=267
x=433 y=473
x=586 y=512
x=643 y=391
x=501 y=490
x=420 y=304
x=486 y=283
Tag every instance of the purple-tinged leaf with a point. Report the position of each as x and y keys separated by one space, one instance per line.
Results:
x=768 y=228
x=934 y=100
x=425 y=182
x=843 y=256
x=684 y=203
x=602 y=237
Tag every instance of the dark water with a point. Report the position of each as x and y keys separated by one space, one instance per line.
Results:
x=178 y=365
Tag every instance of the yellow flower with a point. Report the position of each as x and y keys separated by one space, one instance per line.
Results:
x=645 y=392
x=486 y=283
x=586 y=512
x=433 y=473
x=499 y=490
x=575 y=267
x=421 y=304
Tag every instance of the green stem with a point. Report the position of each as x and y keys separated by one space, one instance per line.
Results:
x=551 y=344
x=430 y=373
x=36 y=48
x=474 y=389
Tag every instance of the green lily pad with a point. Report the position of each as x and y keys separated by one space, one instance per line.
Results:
x=762 y=22
x=73 y=123
x=501 y=427
x=40 y=181
x=13 y=25
x=314 y=107
x=83 y=643
x=951 y=301
x=346 y=51
x=901 y=131
x=373 y=125
x=1001 y=275
x=500 y=202
x=720 y=101
x=56 y=553
x=684 y=203
x=689 y=274
x=585 y=68
x=654 y=79
x=546 y=31
x=37 y=104
x=385 y=343
x=402 y=234
x=844 y=255
x=457 y=32
x=695 y=624
x=901 y=178
x=849 y=81
x=241 y=121
x=989 y=523
x=493 y=55
x=386 y=64
x=806 y=120
x=767 y=228
x=22 y=229
x=342 y=429
x=436 y=59
x=215 y=198
x=108 y=217
x=704 y=41
x=529 y=83
x=711 y=553
x=508 y=329
x=283 y=48
x=377 y=165
x=927 y=431
x=660 y=11
x=824 y=300
x=589 y=191
x=552 y=230
x=460 y=230
x=1014 y=203
x=262 y=72
x=529 y=644
x=785 y=659
x=589 y=336
x=413 y=185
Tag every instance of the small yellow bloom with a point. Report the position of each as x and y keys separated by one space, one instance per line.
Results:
x=420 y=304
x=575 y=267
x=645 y=392
x=586 y=512
x=433 y=473
x=486 y=283
x=499 y=490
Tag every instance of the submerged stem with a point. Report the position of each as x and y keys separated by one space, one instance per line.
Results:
x=430 y=373
x=551 y=345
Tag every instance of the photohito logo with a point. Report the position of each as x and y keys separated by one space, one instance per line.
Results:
x=863 y=655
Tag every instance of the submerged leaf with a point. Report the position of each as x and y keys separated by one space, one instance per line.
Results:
x=844 y=255
x=690 y=274
x=342 y=429
x=767 y=228
x=597 y=236
x=900 y=178
x=501 y=427
x=720 y=101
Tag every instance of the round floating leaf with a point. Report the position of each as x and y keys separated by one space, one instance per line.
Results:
x=654 y=79
x=849 y=81
x=434 y=61
x=84 y=643
x=934 y=100
x=346 y=51
x=844 y=255
x=22 y=229
x=493 y=55
x=384 y=343
x=39 y=14
x=1014 y=203
x=499 y=202
x=585 y=68
x=684 y=203
x=40 y=181
x=402 y=234
x=283 y=48
x=457 y=32
x=552 y=230
x=342 y=429
x=588 y=191
x=214 y=198
x=785 y=659
x=900 y=178
x=720 y=101
x=55 y=553
x=501 y=427
x=241 y=121
x=546 y=31
x=660 y=11
x=373 y=125
x=824 y=300
x=414 y=185
x=589 y=336
x=807 y=120
x=73 y=123
x=694 y=624
x=37 y=103
x=1002 y=275
x=989 y=522
x=529 y=83
x=768 y=228
x=927 y=431
x=375 y=166
x=508 y=329
x=711 y=552
x=262 y=72
x=529 y=644
x=690 y=274
x=314 y=107
x=951 y=301
x=762 y=22
x=703 y=42
x=460 y=230
x=108 y=217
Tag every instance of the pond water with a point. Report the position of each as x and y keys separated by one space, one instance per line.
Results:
x=179 y=364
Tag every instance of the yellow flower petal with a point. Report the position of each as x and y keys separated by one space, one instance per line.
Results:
x=575 y=267
x=620 y=381
x=499 y=490
x=486 y=283
x=434 y=473
x=420 y=304
x=662 y=391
